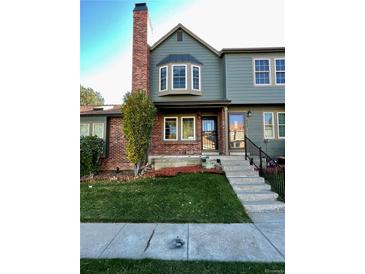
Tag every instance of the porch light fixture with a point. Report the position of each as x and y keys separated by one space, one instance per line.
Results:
x=249 y=114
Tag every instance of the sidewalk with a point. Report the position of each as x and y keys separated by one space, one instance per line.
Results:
x=261 y=241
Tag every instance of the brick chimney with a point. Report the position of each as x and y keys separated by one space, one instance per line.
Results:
x=140 y=70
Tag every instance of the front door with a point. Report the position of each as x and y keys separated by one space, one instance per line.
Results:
x=236 y=131
x=209 y=133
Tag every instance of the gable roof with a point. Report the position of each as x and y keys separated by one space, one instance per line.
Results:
x=205 y=44
x=180 y=26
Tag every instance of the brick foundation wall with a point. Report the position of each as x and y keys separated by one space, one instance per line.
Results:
x=160 y=147
x=117 y=156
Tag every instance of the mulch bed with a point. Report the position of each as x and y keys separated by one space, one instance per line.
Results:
x=164 y=172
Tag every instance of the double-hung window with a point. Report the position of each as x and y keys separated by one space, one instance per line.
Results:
x=281 y=125
x=170 y=128
x=84 y=129
x=163 y=78
x=98 y=130
x=179 y=77
x=188 y=128
x=280 y=71
x=262 y=71
x=269 y=125
x=195 y=77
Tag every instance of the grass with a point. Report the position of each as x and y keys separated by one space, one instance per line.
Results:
x=186 y=198
x=157 y=266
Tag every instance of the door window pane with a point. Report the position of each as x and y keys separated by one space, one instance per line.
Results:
x=236 y=131
x=209 y=133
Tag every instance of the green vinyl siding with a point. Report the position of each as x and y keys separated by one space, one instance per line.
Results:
x=239 y=80
x=212 y=76
x=255 y=127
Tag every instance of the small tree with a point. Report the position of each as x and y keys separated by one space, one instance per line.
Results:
x=138 y=117
x=88 y=96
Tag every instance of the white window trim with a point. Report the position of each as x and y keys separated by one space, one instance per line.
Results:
x=102 y=128
x=276 y=83
x=254 y=72
x=273 y=125
x=278 y=124
x=182 y=124
x=186 y=76
x=88 y=128
x=177 y=128
x=159 y=78
x=192 y=77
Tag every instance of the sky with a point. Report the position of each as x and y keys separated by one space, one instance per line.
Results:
x=106 y=33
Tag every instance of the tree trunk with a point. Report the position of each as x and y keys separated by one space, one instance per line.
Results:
x=137 y=168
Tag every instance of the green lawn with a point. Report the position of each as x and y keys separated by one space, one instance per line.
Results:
x=172 y=267
x=194 y=198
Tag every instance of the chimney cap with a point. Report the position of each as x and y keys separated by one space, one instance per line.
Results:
x=140 y=6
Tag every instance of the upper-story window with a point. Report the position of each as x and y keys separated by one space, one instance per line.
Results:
x=179 y=77
x=195 y=77
x=163 y=78
x=262 y=71
x=280 y=71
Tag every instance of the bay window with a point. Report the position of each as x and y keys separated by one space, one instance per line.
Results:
x=195 y=77
x=179 y=80
x=163 y=78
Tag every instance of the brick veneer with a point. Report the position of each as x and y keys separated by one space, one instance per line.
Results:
x=140 y=69
x=117 y=156
x=160 y=147
x=221 y=135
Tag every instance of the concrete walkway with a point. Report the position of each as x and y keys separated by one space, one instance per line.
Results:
x=262 y=241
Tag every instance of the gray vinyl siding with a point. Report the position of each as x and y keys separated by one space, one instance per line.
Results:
x=212 y=79
x=255 y=128
x=239 y=76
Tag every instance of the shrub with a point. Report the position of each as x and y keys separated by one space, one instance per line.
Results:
x=91 y=149
x=138 y=118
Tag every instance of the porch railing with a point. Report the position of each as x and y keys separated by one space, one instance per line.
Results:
x=268 y=168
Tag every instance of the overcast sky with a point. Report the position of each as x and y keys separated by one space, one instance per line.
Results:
x=106 y=33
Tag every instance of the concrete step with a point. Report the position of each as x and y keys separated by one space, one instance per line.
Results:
x=245 y=179
x=235 y=163
x=227 y=157
x=257 y=196
x=241 y=188
x=247 y=173
x=237 y=168
x=264 y=206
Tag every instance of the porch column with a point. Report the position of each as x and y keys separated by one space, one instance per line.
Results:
x=226 y=131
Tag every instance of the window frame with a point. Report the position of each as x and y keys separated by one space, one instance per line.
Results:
x=273 y=125
x=177 y=128
x=88 y=128
x=276 y=82
x=186 y=76
x=254 y=71
x=102 y=131
x=278 y=124
x=192 y=77
x=182 y=126
x=159 y=78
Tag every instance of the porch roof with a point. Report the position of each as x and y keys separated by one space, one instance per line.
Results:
x=193 y=104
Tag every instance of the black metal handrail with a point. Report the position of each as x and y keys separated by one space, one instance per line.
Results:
x=268 y=168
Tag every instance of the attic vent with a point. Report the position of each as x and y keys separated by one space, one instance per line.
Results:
x=179 y=35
